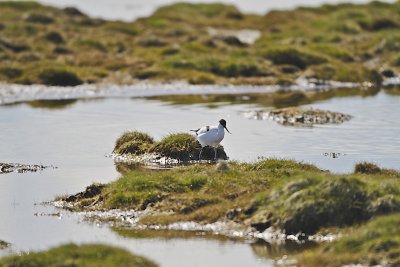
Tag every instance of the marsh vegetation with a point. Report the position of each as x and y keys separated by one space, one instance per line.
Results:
x=78 y=255
x=199 y=43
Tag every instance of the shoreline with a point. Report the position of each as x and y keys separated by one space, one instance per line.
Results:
x=16 y=93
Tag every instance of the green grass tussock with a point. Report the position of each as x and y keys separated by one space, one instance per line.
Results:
x=133 y=143
x=181 y=146
x=292 y=56
x=60 y=77
x=90 y=255
x=371 y=168
x=373 y=243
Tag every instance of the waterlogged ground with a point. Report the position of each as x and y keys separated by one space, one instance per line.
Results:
x=75 y=136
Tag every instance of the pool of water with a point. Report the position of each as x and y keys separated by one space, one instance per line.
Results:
x=77 y=135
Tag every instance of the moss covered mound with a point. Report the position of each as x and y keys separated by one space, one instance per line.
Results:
x=180 y=146
x=285 y=194
x=377 y=242
x=135 y=143
x=199 y=43
x=371 y=168
x=82 y=256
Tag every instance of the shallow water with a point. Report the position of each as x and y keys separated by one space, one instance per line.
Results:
x=130 y=10
x=75 y=136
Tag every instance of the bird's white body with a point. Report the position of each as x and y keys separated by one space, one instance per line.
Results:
x=210 y=135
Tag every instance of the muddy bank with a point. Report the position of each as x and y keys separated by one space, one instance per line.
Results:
x=299 y=116
x=21 y=168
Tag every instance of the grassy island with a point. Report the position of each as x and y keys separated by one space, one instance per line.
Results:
x=79 y=256
x=282 y=194
x=199 y=43
x=182 y=147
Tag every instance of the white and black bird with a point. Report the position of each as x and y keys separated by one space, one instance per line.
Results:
x=211 y=136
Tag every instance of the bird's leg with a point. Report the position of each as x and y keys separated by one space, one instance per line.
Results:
x=201 y=150
x=215 y=153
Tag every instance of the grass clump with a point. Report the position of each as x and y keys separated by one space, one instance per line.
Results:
x=91 y=255
x=54 y=37
x=309 y=207
x=371 y=168
x=10 y=72
x=371 y=244
x=135 y=142
x=59 y=77
x=180 y=146
x=292 y=56
x=39 y=18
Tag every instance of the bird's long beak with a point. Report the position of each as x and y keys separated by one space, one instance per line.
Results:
x=227 y=130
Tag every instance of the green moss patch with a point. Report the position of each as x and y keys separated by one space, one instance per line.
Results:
x=133 y=143
x=74 y=255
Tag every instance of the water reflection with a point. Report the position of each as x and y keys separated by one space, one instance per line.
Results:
x=52 y=104
x=274 y=251
x=279 y=99
x=261 y=248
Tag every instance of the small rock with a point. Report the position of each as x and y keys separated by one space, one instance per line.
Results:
x=261 y=226
x=388 y=73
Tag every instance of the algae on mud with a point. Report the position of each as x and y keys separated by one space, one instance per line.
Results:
x=78 y=255
x=344 y=42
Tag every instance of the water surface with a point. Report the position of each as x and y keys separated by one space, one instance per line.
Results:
x=75 y=136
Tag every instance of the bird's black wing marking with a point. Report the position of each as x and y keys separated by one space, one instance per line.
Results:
x=201 y=130
x=196 y=131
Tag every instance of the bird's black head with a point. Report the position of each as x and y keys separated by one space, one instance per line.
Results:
x=223 y=123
